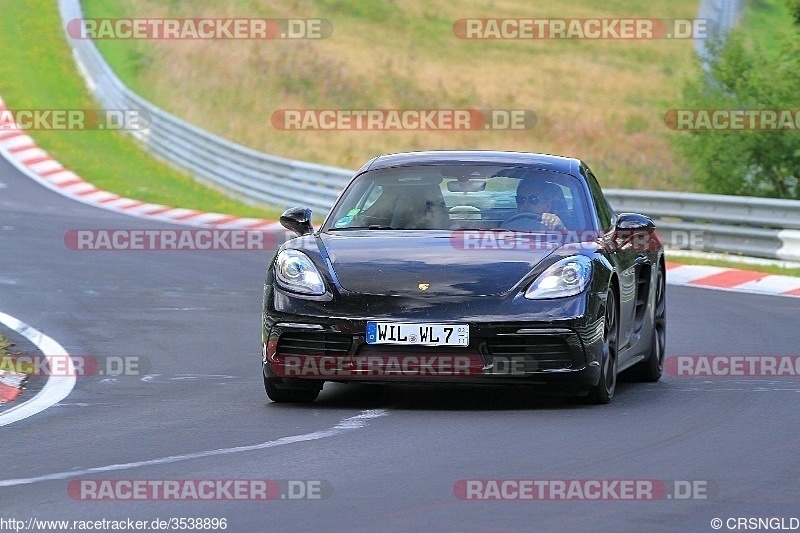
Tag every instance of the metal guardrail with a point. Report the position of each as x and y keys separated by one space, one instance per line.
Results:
x=750 y=226
x=758 y=227
x=725 y=13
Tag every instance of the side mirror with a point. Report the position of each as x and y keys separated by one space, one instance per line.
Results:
x=298 y=220
x=635 y=232
x=635 y=222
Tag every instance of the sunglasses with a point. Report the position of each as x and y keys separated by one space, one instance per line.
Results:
x=532 y=199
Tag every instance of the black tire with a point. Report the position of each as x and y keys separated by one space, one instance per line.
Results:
x=603 y=392
x=650 y=369
x=288 y=395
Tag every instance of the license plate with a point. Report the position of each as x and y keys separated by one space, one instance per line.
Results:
x=421 y=334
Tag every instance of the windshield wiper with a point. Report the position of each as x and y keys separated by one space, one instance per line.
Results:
x=481 y=229
x=371 y=226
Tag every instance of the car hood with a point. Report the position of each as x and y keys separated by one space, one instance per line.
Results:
x=427 y=263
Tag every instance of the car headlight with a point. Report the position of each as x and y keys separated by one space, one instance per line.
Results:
x=295 y=271
x=566 y=277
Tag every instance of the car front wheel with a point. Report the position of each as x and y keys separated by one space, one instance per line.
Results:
x=607 y=384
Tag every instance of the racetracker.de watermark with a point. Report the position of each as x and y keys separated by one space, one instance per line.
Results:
x=75 y=365
x=733 y=119
x=74 y=119
x=400 y=366
x=584 y=489
x=403 y=119
x=620 y=240
x=769 y=366
x=199 y=28
x=378 y=366
x=198 y=489
x=619 y=28
x=170 y=239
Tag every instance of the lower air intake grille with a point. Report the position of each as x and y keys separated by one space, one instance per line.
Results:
x=535 y=352
x=304 y=343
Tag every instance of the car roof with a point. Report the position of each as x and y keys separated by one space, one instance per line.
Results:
x=567 y=165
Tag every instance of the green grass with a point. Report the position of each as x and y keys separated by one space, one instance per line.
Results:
x=38 y=72
x=769 y=269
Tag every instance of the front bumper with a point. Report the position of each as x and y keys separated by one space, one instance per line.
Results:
x=564 y=355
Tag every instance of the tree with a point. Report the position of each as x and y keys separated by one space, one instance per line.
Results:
x=741 y=75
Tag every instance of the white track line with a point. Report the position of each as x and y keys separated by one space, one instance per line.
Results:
x=55 y=389
x=344 y=425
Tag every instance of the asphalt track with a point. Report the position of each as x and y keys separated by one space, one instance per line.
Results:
x=195 y=317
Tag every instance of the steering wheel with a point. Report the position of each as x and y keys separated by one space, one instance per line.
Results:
x=535 y=217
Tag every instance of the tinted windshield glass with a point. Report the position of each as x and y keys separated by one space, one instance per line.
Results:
x=452 y=197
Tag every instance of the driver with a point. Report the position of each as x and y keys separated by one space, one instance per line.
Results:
x=537 y=198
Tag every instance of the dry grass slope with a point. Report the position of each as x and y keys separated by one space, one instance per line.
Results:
x=601 y=100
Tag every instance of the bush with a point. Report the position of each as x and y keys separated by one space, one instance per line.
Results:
x=794 y=8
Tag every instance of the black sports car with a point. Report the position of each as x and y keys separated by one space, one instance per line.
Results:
x=468 y=267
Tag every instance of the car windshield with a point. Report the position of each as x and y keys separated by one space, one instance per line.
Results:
x=462 y=196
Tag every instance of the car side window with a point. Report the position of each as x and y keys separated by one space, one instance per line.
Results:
x=604 y=212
